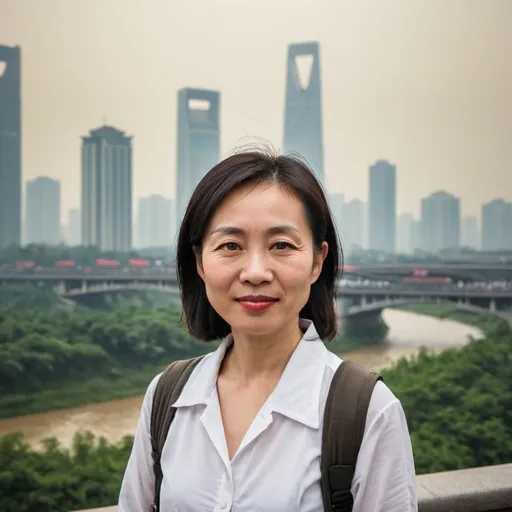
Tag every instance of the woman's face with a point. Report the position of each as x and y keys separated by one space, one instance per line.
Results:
x=258 y=261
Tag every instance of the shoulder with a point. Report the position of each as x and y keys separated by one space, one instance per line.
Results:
x=384 y=405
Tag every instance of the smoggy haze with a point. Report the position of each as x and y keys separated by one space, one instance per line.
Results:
x=426 y=84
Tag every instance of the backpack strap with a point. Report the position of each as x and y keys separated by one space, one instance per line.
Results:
x=344 y=422
x=168 y=390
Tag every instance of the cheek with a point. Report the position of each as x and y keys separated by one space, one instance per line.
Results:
x=217 y=273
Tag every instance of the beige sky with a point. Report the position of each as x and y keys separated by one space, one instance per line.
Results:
x=426 y=84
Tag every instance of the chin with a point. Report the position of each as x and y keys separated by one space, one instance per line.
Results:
x=256 y=326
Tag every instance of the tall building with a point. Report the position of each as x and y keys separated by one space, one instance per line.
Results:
x=42 y=217
x=406 y=233
x=469 y=236
x=154 y=221
x=107 y=189
x=10 y=145
x=337 y=202
x=497 y=225
x=303 y=133
x=352 y=229
x=440 y=222
x=382 y=207
x=74 y=228
x=198 y=141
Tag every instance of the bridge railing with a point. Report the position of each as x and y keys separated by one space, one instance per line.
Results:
x=485 y=489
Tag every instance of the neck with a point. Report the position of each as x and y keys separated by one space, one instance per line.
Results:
x=252 y=357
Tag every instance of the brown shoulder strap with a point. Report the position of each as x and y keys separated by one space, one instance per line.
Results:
x=168 y=390
x=344 y=422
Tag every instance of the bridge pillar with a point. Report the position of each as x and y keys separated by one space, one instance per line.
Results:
x=492 y=305
x=61 y=287
x=84 y=286
x=364 y=300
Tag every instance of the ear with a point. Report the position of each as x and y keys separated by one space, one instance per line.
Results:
x=199 y=261
x=318 y=261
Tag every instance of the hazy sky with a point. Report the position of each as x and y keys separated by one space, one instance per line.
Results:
x=426 y=84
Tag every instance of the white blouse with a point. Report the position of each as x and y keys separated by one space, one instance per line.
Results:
x=277 y=466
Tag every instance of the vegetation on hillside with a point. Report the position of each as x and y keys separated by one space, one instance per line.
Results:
x=459 y=403
x=45 y=358
x=449 y=311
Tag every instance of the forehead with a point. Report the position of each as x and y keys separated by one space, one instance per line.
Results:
x=260 y=204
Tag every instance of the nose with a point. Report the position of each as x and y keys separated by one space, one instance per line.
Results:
x=255 y=269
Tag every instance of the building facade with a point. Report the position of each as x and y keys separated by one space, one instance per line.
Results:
x=469 y=236
x=74 y=227
x=353 y=227
x=42 y=211
x=303 y=131
x=440 y=222
x=154 y=222
x=198 y=144
x=10 y=146
x=382 y=207
x=497 y=225
x=107 y=189
x=407 y=238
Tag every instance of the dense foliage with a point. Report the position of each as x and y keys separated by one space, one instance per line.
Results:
x=57 y=480
x=40 y=352
x=459 y=403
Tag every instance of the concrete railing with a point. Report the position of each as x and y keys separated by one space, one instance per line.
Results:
x=486 y=489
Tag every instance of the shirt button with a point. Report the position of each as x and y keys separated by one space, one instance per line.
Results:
x=223 y=504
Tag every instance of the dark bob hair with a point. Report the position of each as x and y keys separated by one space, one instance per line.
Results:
x=238 y=170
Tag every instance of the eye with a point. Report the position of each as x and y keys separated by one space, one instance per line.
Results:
x=230 y=246
x=282 y=246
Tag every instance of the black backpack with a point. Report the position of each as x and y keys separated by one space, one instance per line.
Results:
x=343 y=429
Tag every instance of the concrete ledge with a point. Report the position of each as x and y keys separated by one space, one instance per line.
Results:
x=486 y=489
x=469 y=490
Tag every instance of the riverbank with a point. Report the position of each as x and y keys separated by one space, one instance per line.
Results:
x=449 y=311
x=128 y=383
x=74 y=394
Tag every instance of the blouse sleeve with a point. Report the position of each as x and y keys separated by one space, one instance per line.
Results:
x=385 y=478
x=138 y=482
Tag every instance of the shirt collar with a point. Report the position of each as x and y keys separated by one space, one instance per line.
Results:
x=297 y=394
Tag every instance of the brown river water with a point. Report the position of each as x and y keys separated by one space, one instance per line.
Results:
x=113 y=420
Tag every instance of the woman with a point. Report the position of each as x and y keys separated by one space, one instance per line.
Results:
x=257 y=262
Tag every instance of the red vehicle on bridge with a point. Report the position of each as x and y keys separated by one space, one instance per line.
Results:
x=106 y=263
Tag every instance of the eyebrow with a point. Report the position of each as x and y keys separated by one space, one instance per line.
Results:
x=274 y=230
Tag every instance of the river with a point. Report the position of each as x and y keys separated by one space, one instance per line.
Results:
x=407 y=333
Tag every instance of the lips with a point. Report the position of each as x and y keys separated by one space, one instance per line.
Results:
x=256 y=298
x=256 y=303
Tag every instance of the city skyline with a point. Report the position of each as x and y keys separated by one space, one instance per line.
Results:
x=429 y=96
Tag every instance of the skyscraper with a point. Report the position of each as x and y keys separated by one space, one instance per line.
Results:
x=469 y=232
x=352 y=229
x=107 y=189
x=440 y=222
x=10 y=145
x=406 y=239
x=382 y=207
x=198 y=145
x=303 y=132
x=497 y=225
x=74 y=227
x=42 y=216
x=154 y=219
x=336 y=203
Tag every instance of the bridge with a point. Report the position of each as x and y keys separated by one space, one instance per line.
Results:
x=485 y=489
x=360 y=305
x=467 y=270
x=476 y=271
